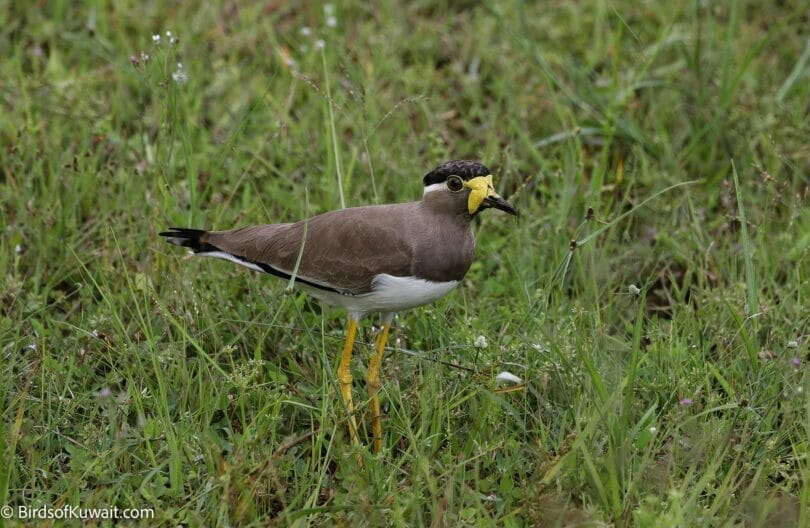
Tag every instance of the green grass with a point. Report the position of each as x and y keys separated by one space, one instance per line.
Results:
x=131 y=377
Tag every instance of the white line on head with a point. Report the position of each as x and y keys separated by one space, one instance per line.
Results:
x=434 y=187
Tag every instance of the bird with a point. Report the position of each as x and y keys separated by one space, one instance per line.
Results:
x=370 y=259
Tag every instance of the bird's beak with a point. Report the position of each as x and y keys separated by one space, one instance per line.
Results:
x=493 y=200
x=482 y=194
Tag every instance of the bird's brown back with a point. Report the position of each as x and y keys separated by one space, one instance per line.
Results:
x=346 y=249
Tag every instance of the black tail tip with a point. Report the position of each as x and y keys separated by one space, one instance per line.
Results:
x=190 y=238
x=183 y=232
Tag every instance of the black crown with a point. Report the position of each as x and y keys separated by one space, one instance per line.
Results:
x=464 y=168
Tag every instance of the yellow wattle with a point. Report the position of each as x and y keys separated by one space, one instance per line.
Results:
x=479 y=189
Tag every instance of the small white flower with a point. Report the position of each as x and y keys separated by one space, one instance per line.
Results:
x=328 y=9
x=480 y=342
x=156 y=38
x=331 y=21
x=793 y=344
x=305 y=31
x=180 y=76
x=95 y=333
x=507 y=377
x=144 y=56
x=320 y=44
x=653 y=430
x=170 y=38
x=633 y=289
x=17 y=249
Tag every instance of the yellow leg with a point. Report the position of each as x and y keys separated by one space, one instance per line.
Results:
x=374 y=384
x=345 y=378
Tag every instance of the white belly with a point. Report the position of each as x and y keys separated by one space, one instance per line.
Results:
x=388 y=294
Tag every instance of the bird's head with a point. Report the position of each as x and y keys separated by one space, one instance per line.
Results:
x=470 y=183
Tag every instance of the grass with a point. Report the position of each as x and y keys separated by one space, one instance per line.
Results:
x=664 y=353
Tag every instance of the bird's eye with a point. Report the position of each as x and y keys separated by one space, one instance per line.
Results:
x=454 y=183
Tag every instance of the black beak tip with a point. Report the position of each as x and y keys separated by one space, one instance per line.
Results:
x=503 y=205
x=511 y=209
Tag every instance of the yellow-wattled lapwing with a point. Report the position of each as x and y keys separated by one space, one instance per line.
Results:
x=377 y=258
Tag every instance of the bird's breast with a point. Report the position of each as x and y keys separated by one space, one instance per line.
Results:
x=445 y=255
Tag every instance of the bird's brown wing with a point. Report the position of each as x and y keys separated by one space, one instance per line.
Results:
x=342 y=250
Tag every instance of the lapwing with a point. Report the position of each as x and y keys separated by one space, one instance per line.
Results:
x=372 y=259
